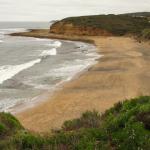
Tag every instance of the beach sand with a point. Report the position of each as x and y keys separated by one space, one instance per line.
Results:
x=123 y=72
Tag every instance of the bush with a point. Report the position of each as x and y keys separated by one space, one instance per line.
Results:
x=120 y=128
x=123 y=127
x=28 y=141
x=10 y=121
x=8 y=125
x=87 y=120
x=2 y=129
x=144 y=117
x=146 y=33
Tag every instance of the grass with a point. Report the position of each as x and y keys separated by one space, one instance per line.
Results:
x=126 y=126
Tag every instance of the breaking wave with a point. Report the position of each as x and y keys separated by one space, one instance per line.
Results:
x=52 y=51
x=8 y=71
x=55 y=44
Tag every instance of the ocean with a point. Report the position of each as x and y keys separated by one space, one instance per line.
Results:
x=31 y=67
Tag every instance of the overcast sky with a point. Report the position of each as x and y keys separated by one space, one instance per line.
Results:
x=46 y=10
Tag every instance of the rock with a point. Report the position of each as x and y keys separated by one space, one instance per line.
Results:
x=66 y=28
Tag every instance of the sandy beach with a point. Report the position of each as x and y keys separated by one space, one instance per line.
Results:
x=123 y=72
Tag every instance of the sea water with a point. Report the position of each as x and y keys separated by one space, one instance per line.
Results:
x=30 y=66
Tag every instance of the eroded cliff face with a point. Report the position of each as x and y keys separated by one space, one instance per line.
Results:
x=71 y=29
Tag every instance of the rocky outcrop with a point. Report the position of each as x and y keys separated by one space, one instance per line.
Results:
x=67 y=28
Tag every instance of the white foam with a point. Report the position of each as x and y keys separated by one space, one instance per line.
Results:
x=6 y=104
x=68 y=70
x=71 y=70
x=81 y=45
x=14 y=29
x=7 y=72
x=52 y=51
x=1 y=32
x=55 y=44
x=1 y=36
x=41 y=39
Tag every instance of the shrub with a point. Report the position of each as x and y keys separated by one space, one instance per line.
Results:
x=146 y=33
x=2 y=129
x=123 y=127
x=87 y=120
x=28 y=141
x=10 y=121
x=8 y=125
x=144 y=117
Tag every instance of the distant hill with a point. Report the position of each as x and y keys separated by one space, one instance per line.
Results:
x=139 y=14
x=104 y=25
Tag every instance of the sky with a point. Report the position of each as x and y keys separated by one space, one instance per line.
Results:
x=47 y=10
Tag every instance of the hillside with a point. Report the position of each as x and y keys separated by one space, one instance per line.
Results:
x=139 y=14
x=101 y=25
x=126 y=126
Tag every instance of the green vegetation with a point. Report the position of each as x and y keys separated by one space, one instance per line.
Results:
x=126 y=126
x=139 y=14
x=9 y=125
x=116 y=24
x=146 y=34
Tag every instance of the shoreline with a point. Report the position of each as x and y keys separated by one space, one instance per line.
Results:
x=48 y=94
x=121 y=73
x=44 y=33
x=35 y=101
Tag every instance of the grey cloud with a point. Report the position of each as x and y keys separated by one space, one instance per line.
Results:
x=45 y=10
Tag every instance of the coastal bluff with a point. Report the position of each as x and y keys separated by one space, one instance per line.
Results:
x=101 y=25
x=67 y=28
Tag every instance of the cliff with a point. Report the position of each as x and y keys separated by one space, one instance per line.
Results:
x=71 y=29
x=101 y=25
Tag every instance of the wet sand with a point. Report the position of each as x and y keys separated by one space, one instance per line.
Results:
x=123 y=72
